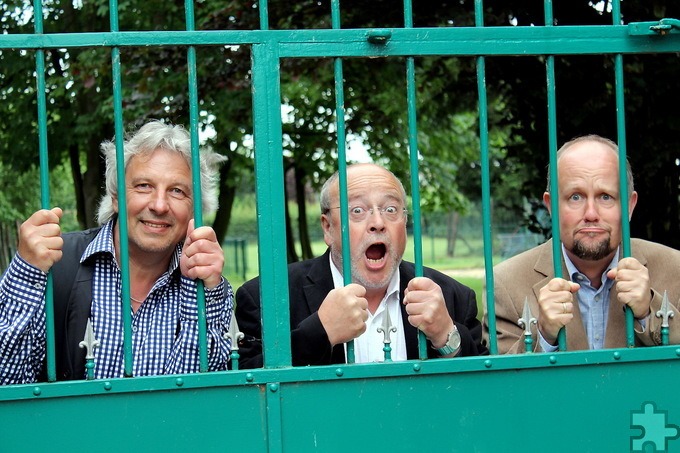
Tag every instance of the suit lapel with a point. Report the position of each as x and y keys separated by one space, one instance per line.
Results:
x=319 y=282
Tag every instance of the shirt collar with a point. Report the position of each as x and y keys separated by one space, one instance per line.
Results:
x=103 y=243
x=572 y=270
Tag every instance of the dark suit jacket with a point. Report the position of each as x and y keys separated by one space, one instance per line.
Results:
x=310 y=281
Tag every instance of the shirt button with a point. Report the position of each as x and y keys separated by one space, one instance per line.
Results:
x=134 y=328
x=37 y=285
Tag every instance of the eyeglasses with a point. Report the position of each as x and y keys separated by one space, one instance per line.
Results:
x=358 y=214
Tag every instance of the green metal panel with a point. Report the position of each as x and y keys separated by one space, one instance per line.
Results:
x=437 y=405
x=579 y=408
x=213 y=418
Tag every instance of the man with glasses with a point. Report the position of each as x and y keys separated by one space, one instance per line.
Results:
x=325 y=313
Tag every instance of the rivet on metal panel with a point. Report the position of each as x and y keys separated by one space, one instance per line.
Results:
x=487 y=363
x=37 y=391
x=416 y=367
x=339 y=372
x=617 y=355
x=249 y=377
x=379 y=36
x=107 y=386
x=179 y=382
x=553 y=359
x=677 y=352
x=273 y=387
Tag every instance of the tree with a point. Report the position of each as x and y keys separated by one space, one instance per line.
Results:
x=80 y=103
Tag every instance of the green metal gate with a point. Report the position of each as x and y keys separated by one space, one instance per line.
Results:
x=494 y=403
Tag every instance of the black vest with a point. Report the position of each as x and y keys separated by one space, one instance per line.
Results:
x=72 y=290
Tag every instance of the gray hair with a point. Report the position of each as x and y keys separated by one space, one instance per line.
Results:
x=325 y=198
x=604 y=141
x=148 y=138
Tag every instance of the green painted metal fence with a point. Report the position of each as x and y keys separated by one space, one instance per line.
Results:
x=494 y=403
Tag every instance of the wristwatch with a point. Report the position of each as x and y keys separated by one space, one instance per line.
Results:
x=452 y=343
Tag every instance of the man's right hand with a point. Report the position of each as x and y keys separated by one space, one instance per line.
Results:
x=556 y=307
x=40 y=241
x=343 y=313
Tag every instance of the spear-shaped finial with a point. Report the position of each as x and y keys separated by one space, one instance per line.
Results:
x=89 y=343
x=386 y=328
x=665 y=312
x=525 y=322
x=235 y=335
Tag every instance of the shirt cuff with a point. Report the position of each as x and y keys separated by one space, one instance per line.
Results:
x=214 y=299
x=545 y=346
x=643 y=323
x=24 y=282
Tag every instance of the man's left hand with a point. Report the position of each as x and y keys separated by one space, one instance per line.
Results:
x=632 y=286
x=202 y=256
x=427 y=311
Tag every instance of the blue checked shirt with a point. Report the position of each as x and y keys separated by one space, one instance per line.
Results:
x=164 y=328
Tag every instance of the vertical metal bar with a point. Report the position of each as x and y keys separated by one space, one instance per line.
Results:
x=196 y=182
x=122 y=198
x=264 y=15
x=486 y=186
x=342 y=165
x=623 y=180
x=245 y=258
x=44 y=184
x=274 y=418
x=413 y=157
x=270 y=204
x=552 y=147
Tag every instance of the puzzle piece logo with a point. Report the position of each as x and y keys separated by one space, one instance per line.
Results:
x=655 y=432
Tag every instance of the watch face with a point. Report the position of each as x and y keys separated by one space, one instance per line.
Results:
x=454 y=339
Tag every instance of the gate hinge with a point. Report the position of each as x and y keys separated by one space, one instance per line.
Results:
x=662 y=27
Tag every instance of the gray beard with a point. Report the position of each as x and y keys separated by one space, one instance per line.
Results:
x=595 y=253
x=357 y=278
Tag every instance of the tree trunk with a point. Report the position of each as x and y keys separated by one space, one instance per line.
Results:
x=290 y=239
x=303 y=228
x=226 y=199
x=93 y=177
x=452 y=233
x=74 y=158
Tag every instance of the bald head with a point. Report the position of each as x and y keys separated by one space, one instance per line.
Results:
x=330 y=190
x=598 y=141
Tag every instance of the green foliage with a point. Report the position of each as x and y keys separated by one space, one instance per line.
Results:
x=80 y=102
x=23 y=195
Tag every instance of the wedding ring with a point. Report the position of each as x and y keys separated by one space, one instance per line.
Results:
x=564 y=308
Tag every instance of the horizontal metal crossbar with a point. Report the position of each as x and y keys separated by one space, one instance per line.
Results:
x=462 y=41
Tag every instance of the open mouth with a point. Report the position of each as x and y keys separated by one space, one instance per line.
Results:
x=376 y=252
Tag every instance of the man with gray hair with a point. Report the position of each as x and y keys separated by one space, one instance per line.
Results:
x=167 y=256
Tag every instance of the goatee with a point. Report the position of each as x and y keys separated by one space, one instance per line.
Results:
x=594 y=252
